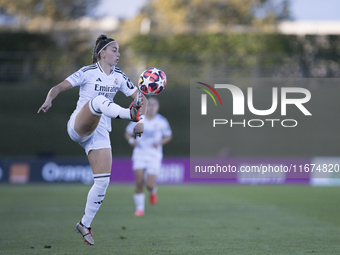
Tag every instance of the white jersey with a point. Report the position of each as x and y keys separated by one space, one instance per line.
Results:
x=154 y=131
x=93 y=82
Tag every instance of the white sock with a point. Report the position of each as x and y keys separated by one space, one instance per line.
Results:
x=101 y=104
x=139 y=201
x=95 y=197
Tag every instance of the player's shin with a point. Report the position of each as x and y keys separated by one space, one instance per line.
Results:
x=101 y=104
x=95 y=197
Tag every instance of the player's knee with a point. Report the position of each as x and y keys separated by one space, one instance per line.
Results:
x=98 y=101
x=103 y=182
x=95 y=104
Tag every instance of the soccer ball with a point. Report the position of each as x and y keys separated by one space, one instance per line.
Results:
x=152 y=81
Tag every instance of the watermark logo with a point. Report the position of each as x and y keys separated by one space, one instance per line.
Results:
x=204 y=97
x=238 y=107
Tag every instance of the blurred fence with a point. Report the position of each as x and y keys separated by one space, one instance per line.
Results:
x=32 y=67
x=182 y=67
x=38 y=67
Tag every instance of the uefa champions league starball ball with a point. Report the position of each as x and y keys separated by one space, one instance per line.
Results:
x=152 y=81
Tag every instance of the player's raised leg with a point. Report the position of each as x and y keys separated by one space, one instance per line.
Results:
x=89 y=116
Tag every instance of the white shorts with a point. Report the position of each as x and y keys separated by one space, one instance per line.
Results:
x=99 y=139
x=151 y=166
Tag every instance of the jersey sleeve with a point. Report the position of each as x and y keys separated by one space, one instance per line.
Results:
x=127 y=87
x=77 y=78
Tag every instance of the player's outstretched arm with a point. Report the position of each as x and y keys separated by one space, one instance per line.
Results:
x=53 y=93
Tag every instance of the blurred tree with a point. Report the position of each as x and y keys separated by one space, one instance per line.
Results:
x=55 y=10
x=179 y=16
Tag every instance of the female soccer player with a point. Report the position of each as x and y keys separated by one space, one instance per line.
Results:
x=90 y=123
x=147 y=153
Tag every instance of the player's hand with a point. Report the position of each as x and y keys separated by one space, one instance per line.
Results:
x=45 y=107
x=138 y=129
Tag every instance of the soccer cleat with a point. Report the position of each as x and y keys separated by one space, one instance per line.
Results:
x=139 y=213
x=136 y=114
x=135 y=108
x=138 y=101
x=85 y=232
x=153 y=199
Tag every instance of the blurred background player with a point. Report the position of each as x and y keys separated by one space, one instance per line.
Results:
x=148 y=153
x=90 y=123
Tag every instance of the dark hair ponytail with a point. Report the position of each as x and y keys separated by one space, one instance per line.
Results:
x=101 y=41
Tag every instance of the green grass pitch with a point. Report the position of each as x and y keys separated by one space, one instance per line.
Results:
x=188 y=219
